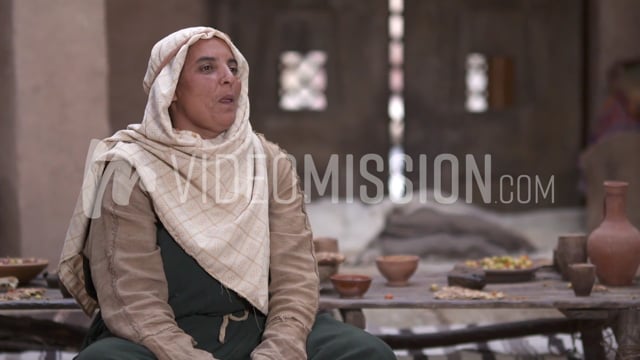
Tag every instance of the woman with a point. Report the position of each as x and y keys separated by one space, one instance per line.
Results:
x=190 y=233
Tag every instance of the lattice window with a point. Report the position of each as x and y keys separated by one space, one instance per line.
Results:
x=490 y=82
x=396 y=183
x=303 y=81
x=477 y=83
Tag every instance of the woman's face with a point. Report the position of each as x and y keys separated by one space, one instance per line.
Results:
x=206 y=97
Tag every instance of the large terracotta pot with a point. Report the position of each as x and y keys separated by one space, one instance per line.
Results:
x=614 y=246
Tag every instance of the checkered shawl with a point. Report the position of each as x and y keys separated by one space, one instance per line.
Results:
x=211 y=195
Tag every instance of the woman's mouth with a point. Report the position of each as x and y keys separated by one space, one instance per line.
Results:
x=228 y=99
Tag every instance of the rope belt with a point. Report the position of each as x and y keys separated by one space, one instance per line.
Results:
x=225 y=323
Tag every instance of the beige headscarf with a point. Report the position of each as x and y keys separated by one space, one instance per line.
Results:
x=211 y=195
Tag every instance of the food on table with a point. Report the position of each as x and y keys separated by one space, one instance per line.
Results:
x=600 y=287
x=460 y=293
x=23 y=294
x=329 y=258
x=501 y=263
x=17 y=261
x=8 y=283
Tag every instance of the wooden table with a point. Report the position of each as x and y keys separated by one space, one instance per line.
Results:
x=22 y=329
x=618 y=307
x=52 y=300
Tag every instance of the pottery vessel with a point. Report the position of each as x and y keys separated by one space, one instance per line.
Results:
x=326 y=244
x=326 y=270
x=328 y=264
x=582 y=277
x=571 y=249
x=614 y=246
x=328 y=256
x=351 y=286
x=397 y=269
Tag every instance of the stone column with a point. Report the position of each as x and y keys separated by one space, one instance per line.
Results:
x=60 y=84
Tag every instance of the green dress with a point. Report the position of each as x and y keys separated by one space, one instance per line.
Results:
x=200 y=302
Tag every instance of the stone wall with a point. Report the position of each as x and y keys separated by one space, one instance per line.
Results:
x=62 y=64
x=59 y=72
x=133 y=27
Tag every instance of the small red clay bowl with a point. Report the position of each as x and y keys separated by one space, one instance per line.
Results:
x=351 y=286
x=397 y=269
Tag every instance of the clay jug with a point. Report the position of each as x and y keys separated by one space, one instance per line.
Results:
x=614 y=246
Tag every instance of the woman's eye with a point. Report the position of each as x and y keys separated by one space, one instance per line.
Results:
x=206 y=68
x=234 y=70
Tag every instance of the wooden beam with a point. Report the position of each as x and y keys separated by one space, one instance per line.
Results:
x=487 y=333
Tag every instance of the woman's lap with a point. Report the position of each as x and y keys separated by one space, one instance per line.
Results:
x=115 y=348
x=329 y=339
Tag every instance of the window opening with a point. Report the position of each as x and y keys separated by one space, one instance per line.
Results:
x=303 y=81
x=396 y=182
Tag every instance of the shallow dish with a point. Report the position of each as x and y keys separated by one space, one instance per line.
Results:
x=25 y=269
x=510 y=276
x=497 y=276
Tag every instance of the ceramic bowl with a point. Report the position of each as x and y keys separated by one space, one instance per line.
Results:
x=571 y=249
x=397 y=269
x=25 y=269
x=351 y=285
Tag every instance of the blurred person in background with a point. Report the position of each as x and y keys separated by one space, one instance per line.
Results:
x=621 y=109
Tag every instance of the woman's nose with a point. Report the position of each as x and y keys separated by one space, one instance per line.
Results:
x=227 y=76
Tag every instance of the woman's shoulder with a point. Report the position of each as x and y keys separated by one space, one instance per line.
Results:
x=127 y=152
x=271 y=148
x=280 y=164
